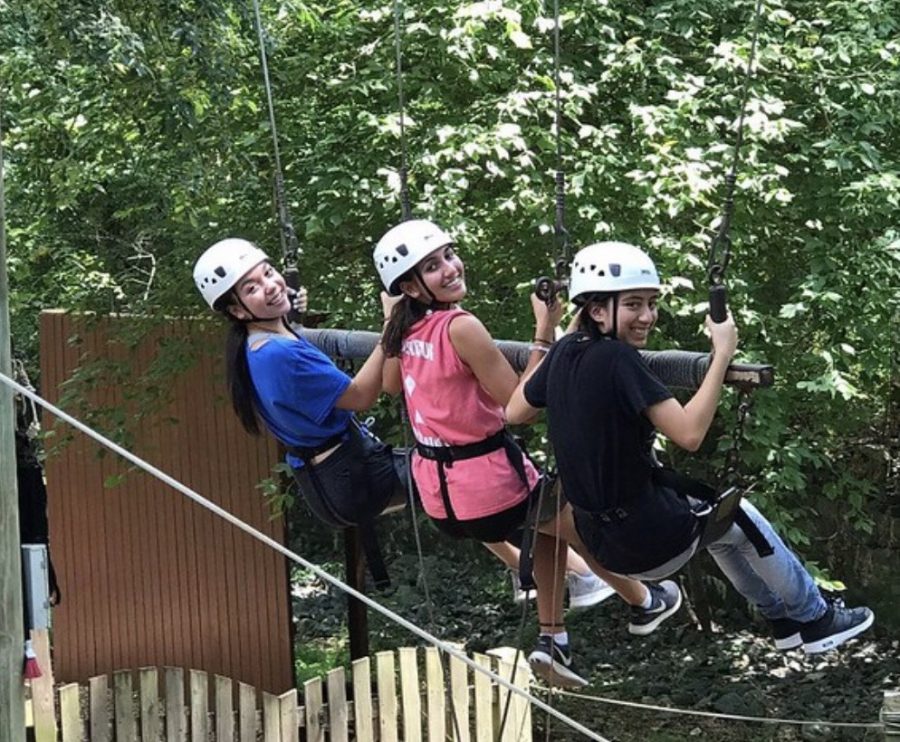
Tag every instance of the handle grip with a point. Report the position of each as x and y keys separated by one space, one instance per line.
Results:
x=545 y=289
x=718 y=308
x=292 y=279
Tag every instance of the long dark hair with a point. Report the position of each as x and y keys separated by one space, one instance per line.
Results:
x=237 y=370
x=404 y=315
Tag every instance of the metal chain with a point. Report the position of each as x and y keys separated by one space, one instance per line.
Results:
x=731 y=468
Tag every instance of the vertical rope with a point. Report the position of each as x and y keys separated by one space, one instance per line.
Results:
x=721 y=243
x=406 y=209
x=559 y=227
x=290 y=246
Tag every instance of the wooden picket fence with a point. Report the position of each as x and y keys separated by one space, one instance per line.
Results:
x=169 y=705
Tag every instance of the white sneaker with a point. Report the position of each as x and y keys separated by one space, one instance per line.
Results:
x=587 y=590
x=520 y=595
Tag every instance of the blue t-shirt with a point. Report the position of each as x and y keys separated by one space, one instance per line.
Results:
x=297 y=386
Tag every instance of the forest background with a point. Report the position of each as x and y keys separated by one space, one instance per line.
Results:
x=136 y=133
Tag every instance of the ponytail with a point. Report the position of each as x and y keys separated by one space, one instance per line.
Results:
x=237 y=371
x=404 y=315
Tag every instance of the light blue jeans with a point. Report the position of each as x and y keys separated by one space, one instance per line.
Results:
x=778 y=584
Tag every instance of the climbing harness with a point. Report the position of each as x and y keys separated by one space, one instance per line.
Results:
x=720 y=245
x=545 y=287
x=290 y=246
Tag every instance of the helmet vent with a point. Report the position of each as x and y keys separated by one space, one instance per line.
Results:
x=220 y=272
x=403 y=250
x=615 y=269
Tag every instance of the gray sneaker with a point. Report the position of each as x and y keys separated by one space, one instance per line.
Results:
x=666 y=599
x=587 y=590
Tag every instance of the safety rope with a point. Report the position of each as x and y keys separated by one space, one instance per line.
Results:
x=290 y=246
x=720 y=245
x=293 y=556
x=545 y=287
x=406 y=209
x=715 y=715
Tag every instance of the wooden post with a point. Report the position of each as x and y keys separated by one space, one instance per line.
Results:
x=357 y=615
x=890 y=714
x=12 y=628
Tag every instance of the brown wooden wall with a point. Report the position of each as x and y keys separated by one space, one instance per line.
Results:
x=149 y=577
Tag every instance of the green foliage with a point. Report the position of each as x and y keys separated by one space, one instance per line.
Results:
x=137 y=135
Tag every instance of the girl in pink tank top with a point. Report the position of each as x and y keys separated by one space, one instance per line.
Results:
x=473 y=480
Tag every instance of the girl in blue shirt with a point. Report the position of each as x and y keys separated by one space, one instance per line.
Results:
x=345 y=473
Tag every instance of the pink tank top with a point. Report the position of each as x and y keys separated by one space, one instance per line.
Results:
x=448 y=406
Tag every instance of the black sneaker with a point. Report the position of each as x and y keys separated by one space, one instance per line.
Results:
x=835 y=627
x=786 y=633
x=554 y=664
x=666 y=598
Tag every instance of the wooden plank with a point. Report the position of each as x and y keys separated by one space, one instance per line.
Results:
x=70 y=713
x=224 y=691
x=890 y=714
x=271 y=718
x=313 y=704
x=176 y=726
x=434 y=689
x=42 y=696
x=362 y=700
x=149 y=690
x=409 y=694
x=247 y=712
x=123 y=705
x=199 y=691
x=459 y=693
x=518 y=718
x=289 y=716
x=387 y=696
x=484 y=701
x=338 y=711
x=99 y=701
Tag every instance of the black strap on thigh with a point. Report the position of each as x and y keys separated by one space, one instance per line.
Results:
x=365 y=521
x=713 y=528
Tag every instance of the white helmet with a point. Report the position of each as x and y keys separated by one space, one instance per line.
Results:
x=610 y=267
x=403 y=246
x=222 y=265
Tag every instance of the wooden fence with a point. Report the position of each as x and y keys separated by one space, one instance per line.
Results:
x=167 y=704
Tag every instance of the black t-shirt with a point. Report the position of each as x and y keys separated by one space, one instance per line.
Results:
x=596 y=393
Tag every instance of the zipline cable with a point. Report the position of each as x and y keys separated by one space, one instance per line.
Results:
x=281 y=549
x=290 y=246
x=715 y=715
x=720 y=245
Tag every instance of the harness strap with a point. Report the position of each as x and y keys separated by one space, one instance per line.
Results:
x=366 y=522
x=446 y=455
x=691 y=487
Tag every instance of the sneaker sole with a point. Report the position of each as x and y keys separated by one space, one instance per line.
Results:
x=648 y=628
x=835 y=640
x=553 y=673
x=586 y=601
x=789 y=642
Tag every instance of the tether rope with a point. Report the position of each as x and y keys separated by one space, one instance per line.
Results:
x=406 y=209
x=715 y=715
x=281 y=549
x=290 y=246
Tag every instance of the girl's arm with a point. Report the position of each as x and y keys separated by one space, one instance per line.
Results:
x=517 y=409
x=476 y=348
x=367 y=384
x=687 y=426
